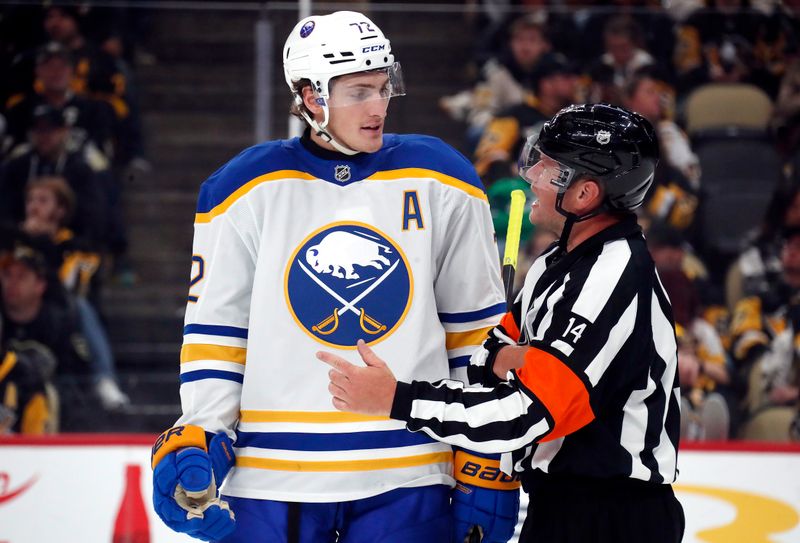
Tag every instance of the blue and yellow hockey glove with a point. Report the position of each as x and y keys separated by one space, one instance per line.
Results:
x=485 y=500
x=186 y=476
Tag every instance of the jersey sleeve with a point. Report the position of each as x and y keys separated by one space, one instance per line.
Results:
x=468 y=286
x=215 y=334
x=561 y=385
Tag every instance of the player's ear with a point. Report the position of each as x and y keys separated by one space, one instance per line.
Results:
x=310 y=101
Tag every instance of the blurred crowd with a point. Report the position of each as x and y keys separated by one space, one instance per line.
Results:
x=720 y=81
x=70 y=136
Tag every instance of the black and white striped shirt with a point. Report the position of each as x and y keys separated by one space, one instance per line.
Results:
x=598 y=395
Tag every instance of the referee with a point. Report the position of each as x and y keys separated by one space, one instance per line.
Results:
x=580 y=386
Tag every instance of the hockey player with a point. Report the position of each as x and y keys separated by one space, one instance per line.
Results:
x=585 y=399
x=317 y=242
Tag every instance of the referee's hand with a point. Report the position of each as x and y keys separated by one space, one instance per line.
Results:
x=368 y=390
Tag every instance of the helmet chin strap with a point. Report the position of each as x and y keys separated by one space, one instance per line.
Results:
x=319 y=129
x=572 y=218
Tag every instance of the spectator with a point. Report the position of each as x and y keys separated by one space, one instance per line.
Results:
x=28 y=401
x=505 y=81
x=99 y=76
x=96 y=73
x=32 y=312
x=716 y=44
x=675 y=194
x=657 y=32
x=49 y=203
x=623 y=52
x=775 y=47
x=705 y=415
x=758 y=266
x=785 y=122
x=649 y=93
x=765 y=333
x=702 y=360
x=51 y=155
x=20 y=32
x=554 y=86
x=88 y=120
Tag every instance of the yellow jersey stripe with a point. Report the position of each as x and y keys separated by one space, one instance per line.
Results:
x=200 y=351
x=7 y=365
x=344 y=465
x=221 y=208
x=319 y=417
x=415 y=173
x=454 y=340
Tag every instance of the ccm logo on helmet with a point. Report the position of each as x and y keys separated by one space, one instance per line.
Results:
x=373 y=48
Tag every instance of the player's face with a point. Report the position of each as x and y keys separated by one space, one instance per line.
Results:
x=358 y=105
x=543 y=210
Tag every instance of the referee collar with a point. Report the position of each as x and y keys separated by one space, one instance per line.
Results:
x=628 y=227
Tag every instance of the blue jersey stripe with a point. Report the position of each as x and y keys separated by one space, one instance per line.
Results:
x=198 y=375
x=459 y=362
x=215 y=330
x=398 y=152
x=295 y=441
x=469 y=316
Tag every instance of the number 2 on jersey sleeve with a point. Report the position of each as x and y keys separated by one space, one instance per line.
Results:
x=198 y=271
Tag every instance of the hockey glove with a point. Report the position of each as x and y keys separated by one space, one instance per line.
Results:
x=186 y=475
x=485 y=500
x=481 y=369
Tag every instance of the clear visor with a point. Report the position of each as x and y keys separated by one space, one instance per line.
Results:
x=533 y=164
x=358 y=88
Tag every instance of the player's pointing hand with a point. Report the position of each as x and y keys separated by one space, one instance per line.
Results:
x=368 y=390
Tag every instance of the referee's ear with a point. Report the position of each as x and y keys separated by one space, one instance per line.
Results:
x=587 y=195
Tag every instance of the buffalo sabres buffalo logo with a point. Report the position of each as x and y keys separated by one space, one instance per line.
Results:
x=348 y=281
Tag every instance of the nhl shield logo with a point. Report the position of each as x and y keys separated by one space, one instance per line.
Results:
x=603 y=137
x=348 y=281
x=342 y=173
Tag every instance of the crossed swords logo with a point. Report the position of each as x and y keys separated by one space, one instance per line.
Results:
x=368 y=324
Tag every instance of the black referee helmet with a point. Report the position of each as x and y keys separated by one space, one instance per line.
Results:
x=610 y=144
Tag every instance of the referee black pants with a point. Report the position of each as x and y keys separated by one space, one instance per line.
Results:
x=580 y=510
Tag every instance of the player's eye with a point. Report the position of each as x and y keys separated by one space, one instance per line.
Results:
x=360 y=94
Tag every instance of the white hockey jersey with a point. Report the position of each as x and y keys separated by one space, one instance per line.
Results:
x=295 y=253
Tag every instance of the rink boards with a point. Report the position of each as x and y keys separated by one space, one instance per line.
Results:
x=87 y=485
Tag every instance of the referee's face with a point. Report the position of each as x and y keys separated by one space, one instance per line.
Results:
x=543 y=210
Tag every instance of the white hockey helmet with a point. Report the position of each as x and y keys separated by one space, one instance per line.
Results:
x=323 y=47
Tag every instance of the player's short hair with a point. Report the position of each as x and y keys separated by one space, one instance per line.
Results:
x=298 y=109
